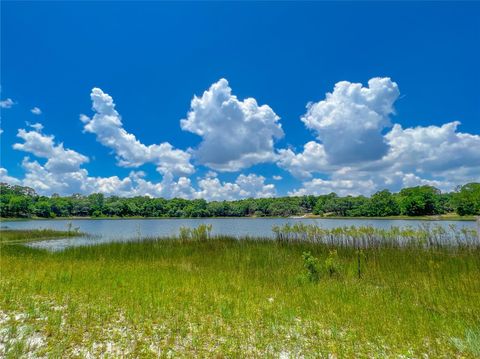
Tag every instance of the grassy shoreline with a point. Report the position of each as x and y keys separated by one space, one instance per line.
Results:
x=447 y=217
x=14 y=236
x=223 y=297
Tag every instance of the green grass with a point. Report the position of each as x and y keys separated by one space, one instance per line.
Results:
x=238 y=298
x=12 y=236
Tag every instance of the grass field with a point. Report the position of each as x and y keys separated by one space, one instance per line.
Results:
x=223 y=297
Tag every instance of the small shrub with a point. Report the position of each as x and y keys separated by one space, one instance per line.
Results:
x=184 y=234
x=332 y=264
x=201 y=233
x=311 y=266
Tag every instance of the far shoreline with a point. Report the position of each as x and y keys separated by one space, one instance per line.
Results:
x=448 y=217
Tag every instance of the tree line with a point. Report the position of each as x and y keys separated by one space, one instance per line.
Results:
x=24 y=202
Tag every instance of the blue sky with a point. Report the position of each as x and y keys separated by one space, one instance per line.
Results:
x=152 y=58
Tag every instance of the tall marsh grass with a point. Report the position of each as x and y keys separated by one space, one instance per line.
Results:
x=369 y=236
x=200 y=233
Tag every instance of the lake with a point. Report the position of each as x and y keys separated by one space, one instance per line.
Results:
x=107 y=230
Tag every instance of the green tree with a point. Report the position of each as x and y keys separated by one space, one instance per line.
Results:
x=196 y=208
x=344 y=206
x=217 y=209
x=382 y=204
x=20 y=206
x=96 y=203
x=282 y=209
x=419 y=201
x=466 y=200
x=319 y=207
x=43 y=208
x=18 y=201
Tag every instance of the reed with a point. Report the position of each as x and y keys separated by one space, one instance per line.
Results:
x=426 y=236
x=201 y=233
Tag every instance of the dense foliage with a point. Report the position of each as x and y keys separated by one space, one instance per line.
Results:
x=21 y=202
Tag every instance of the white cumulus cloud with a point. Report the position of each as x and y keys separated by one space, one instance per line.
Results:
x=432 y=149
x=357 y=149
x=62 y=173
x=342 y=187
x=349 y=122
x=301 y=165
x=107 y=125
x=235 y=134
x=245 y=186
x=5 y=178
x=354 y=155
x=59 y=159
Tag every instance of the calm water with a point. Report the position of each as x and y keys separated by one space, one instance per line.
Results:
x=107 y=230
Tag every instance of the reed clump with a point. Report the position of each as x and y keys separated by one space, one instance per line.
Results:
x=368 y=236
x=199 y=234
